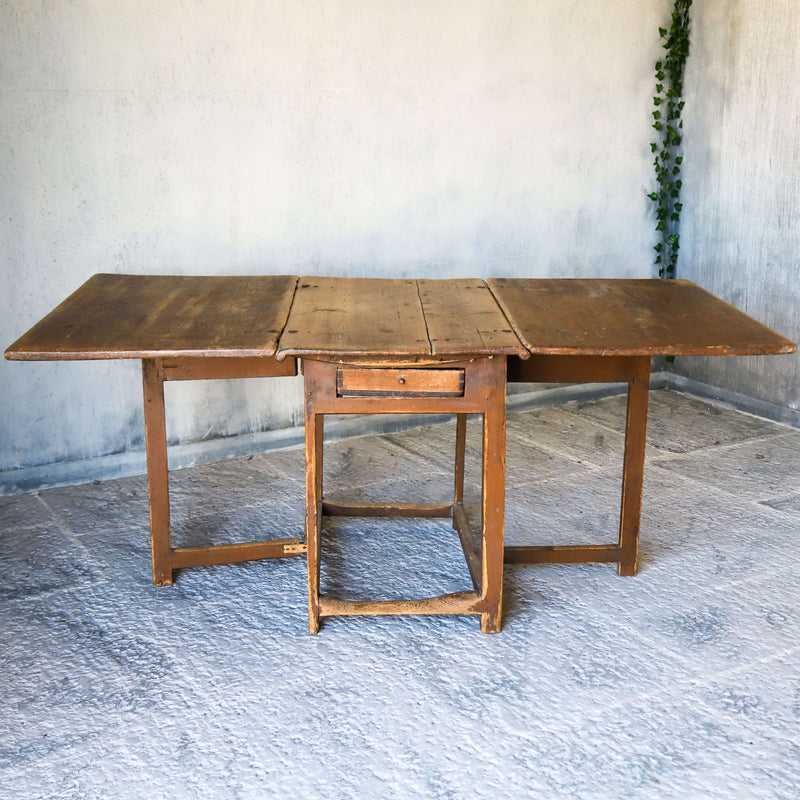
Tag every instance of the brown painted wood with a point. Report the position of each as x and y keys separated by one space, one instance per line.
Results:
x=572 y=369
x=493 y=495
x=472 y=553
x=463 y=317
x=233 y=553
x=147 y=316
x=629 y=317
x=314 y=441
x=217 y=368
x=455 y=603
x=484 y=393
x=388 y=319
x=635 y=370
x=166 y=558
x=371 y=382
x=561 y=554
x=155 y=430
x=633 y=468
x=420 y=510
x=590 y=330
x=355 y=316
x=328 y=401
x=460 y=455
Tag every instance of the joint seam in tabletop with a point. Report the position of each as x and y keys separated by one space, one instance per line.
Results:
x=424 y=317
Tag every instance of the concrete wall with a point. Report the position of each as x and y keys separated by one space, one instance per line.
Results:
x=463 y=138
x=741 y=222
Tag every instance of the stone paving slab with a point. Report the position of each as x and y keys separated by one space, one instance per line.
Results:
x=681 y=682
x=679 y=424
x=761 y=470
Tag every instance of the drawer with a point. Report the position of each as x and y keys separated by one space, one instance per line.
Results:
x=376 y=382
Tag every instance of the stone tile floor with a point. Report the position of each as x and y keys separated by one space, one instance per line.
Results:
x=683 y=682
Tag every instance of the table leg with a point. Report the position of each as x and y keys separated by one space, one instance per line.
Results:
x=461 y=446
x=493 y=498
x=633 y=467
x=155 y=428
x=314 y=437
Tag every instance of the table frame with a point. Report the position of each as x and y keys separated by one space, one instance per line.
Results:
x=155 y=371
x=635 y=372
x=485 y=394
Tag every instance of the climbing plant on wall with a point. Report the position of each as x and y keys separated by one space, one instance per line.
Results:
x=668 y=106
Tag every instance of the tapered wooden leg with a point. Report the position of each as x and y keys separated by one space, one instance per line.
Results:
x=314 y=432
x=461 y=446
x=633 y=468
x=155 y=428
x=493 y=498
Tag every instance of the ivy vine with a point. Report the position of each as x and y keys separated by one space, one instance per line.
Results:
x=668 y=105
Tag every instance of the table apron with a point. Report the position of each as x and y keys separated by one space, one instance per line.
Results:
x=557 y=368
x=189 y=368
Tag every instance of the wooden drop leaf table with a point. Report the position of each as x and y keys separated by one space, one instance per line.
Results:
x=383 y=346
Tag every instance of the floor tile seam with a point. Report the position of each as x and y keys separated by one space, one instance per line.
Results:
x=666 y=455
x=555 y=451
x=681 y=658
x=583 y=470
x=733 y=672
x=706 y=487
x=738 y=583
x=67 y=531
x=665 y=692
x=766 y=505
x=597 y=423
x=59 y=591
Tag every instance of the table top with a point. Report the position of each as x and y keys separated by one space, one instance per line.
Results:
x=150 y=316
x=153 y=316
x=577 y=316
x=402 y=318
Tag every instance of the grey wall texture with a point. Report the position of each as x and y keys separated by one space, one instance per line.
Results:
x=740 y=232
x=463 y=138
x=402 y=139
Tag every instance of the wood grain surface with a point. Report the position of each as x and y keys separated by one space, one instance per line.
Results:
x=629 y=317
x=148 y=316
x=463 y=318
x=403 y=318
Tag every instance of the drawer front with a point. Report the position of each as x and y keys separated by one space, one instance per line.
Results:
x=374 y=382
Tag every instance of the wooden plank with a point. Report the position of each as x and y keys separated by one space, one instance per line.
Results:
x=155 y=433
x=472 y=554
x=335 y=317
x=147 y=316
x=561 y=554
x=417 y=510
x=372 y=382
x=493 y=496
x=463 y=318
x=572 y=369
x=455 y=603
x=629 y=317
x=216 y=368
x=232 y=553
x=633 y=469
x=460 y=456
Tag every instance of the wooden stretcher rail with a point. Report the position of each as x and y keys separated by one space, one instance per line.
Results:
x=233 y=553
x=421 y=510
x=562 y=554
x=455 y=603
